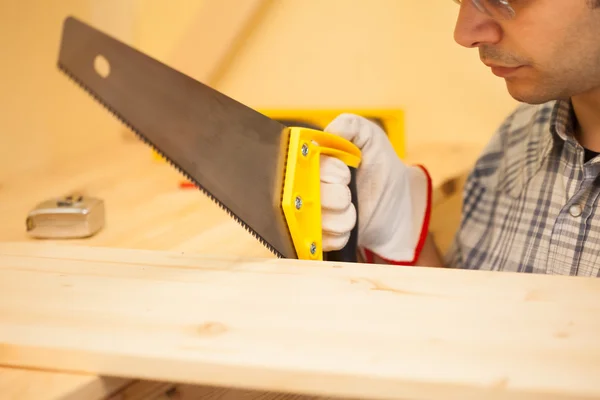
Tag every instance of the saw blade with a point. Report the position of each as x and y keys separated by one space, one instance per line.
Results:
x=233 y=153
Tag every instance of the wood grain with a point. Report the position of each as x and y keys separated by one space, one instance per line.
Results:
x=363 y=331
x=146 y=210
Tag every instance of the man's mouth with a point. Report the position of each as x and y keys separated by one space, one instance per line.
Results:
x=503 y=71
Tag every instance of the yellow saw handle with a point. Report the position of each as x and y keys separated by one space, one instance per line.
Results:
x=302 y=191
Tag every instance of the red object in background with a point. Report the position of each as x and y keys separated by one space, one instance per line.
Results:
x=186 y=185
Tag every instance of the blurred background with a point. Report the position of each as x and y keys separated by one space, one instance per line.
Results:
x=269 y=54
x=287 y=57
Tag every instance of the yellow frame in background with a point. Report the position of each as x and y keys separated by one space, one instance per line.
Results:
x=391 y=119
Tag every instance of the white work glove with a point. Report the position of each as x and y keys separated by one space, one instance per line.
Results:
x=394 y=200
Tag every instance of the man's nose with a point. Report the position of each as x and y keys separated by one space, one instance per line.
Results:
x=475 y=28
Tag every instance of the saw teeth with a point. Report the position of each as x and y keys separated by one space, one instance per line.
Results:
x=144 y=139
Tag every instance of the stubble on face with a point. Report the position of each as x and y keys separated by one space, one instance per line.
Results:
x=559 y=57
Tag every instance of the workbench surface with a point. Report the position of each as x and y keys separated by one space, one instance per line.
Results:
x=145 y=209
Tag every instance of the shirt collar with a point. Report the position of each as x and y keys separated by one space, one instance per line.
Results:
x=562 y=127
x=562 y=121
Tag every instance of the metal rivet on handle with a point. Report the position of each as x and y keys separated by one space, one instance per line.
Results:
x=298 y=202
x=304 y=149
x=313 y=248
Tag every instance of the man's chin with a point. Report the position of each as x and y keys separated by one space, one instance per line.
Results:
x=527 y=93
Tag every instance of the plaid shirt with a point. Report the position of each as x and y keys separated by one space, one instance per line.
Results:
x=530 y=203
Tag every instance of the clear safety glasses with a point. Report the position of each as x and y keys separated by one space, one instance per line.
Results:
x=498 y=9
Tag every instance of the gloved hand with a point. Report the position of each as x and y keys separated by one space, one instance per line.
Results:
x=394 y=200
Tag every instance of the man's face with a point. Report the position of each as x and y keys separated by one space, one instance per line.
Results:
x=554 y=45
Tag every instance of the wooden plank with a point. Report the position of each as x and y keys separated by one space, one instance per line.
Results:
x=146 y=209
x=367 y=331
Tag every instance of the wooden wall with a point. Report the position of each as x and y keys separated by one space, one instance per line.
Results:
x=309 y=53
x=364 y=53
x=43 y=116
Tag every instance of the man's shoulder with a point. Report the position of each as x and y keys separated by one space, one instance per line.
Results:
x=516 y=148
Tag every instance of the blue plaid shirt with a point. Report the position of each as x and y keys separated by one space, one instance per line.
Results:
x=530 y=203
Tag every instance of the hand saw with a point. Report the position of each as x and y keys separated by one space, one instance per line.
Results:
x=263 y=173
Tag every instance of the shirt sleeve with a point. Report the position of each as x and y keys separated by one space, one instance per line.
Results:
x=478 y=197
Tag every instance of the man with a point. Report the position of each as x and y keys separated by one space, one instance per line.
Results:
x=531 y=201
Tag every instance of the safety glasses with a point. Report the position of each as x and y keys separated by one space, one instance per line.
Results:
x=498 y=9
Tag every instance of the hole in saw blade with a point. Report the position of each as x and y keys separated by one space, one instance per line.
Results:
x=102 y=66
